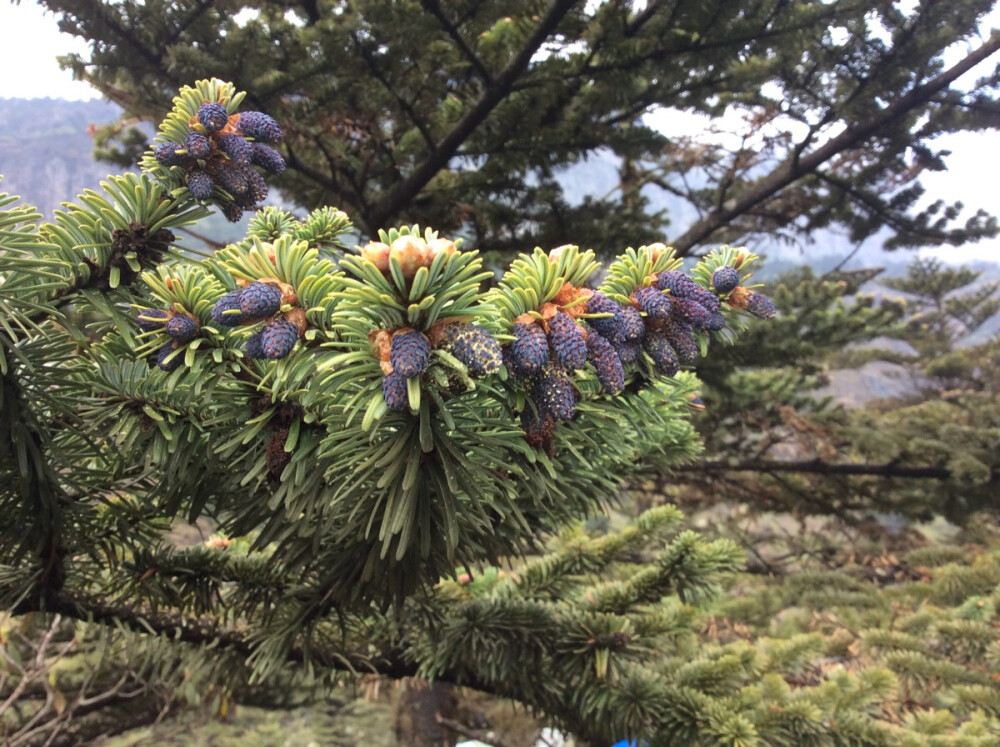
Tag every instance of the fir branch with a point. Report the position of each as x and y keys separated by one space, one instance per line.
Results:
x=796 y=167
x=402 y=193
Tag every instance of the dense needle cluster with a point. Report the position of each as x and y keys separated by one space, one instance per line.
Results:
x=220 y=150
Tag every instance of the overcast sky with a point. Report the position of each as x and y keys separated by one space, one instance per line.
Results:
x=30 y=42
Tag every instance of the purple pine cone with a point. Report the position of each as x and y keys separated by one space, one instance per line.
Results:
x=568 y=343
x=200 y=184
x=662 y=353
x=716 y=321
x=394 y=392
x=228 y=176
x=166 y=153
x=258 y=187
x=278 y=339
x=725 y=279
x=761 y=306
x=267 y=158
x=233 y=212
x=151 y=319
x=182 y=327
x=260 y=300
x=653 y=302
x=476 y=348
x=197 y=145
x=261 y=127
x=554 y=393
x=679 y=284
x=630 y=327
x=601 y=304
x=691 y=312
x=605 y=360
x=530 y=351
x=236 y=148
x=409 y=353
x=165 y=359
x=678 y=335
x=227 y=310
x=254 y=347
x=628 y=352
x=213 y=117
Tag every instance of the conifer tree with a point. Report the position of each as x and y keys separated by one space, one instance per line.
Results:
x=462 y=115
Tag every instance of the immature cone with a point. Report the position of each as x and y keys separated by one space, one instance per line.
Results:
x=409 y=352
x=199 y=184
x=761 y=306
x=606 y=363
x=226 y=311
x=725 y=279
x=164 y=359
x=554 y=393
x=530 y=350
x=691 y=312
x=197 y=145
x=475 y=347
x=182 y=327
x=601 y=304
x=653 y=302
x=213 y=116
x=275 y=455
x=254 y=347
x=394 y=392
x=267 y=158
x=678 y=335
x=261 y=127
x=630 y=327
x=278 y=339
x=260 y=300
x=628 y=352
x=662 y=353
x=568 y=342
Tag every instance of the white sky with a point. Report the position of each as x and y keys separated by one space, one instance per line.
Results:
x=30 y=42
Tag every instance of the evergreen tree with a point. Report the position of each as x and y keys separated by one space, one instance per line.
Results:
x=463 y=115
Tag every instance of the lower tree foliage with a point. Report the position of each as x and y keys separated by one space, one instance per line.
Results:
x=396 y=451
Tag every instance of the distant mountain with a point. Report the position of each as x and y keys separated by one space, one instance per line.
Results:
x=45 y=151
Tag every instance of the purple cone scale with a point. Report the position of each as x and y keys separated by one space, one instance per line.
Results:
x=725 y=279
x=679 y=284
x=530 y=349
x=278 y=338
x=260 y=300
x=182 y=327
x=409 y=353
x=679 y=337
x=394 y=392
x=568 y=343
x=254 y=347
x=234 y=146
x=628 y=352
x=227 y=310
x=630 y=327
x=691 y=312
x=476 y=348
x=554 y=393
x=200 y=184
x=167 y=154
x=261 y=127
x=606 y=363
x=197 y=145
x=598 y=303
x=166 y=360
x=653 y=302
x=761 y=306
x=213 y=116
x=662 y=353
x=716 y=321
x=267 y=158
